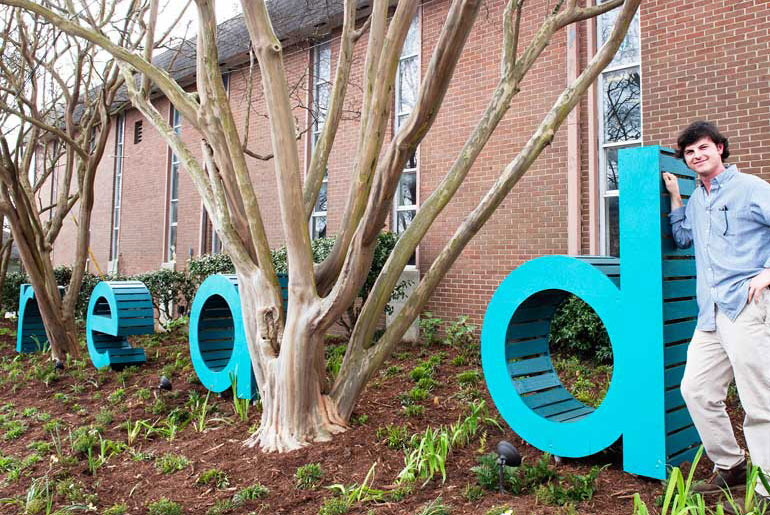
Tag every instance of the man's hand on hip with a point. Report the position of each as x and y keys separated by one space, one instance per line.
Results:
x=758 y=283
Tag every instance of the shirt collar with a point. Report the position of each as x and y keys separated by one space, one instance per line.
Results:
x=724 y=177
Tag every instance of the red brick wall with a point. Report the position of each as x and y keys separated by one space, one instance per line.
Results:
x=709 y=60
x=533 y=219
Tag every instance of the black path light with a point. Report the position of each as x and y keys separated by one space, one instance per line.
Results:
x=507 y=456
x=165 y=384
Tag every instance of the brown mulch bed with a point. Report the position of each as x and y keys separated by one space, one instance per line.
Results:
x=344 y=460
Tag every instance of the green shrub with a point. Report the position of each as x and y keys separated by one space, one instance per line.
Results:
x=205 y=265
x=10 y=293
x=429 y=327
x=577 y=330
x=460 y=336
x=166 y=288
x=334 y=357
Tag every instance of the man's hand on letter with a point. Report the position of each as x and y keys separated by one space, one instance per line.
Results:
x=672 y=185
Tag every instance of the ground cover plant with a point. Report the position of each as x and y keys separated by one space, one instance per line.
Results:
x=180 y=451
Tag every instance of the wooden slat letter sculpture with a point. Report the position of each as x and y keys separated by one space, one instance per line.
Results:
x=218 y=346
x=117 y=310
x=217 y=338
x=646 y=300
x=30 y=332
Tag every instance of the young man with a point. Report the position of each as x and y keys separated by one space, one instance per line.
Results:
x=728 y=220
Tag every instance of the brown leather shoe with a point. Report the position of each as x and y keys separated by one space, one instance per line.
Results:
x=761 y=505
x=733 y=479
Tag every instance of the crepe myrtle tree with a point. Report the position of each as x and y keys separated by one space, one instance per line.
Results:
x=55 y=130
x=57 y=94
x=287 y=353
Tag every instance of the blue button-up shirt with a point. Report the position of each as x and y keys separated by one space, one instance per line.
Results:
x=730 y=227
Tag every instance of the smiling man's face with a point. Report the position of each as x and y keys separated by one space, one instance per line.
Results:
x=704 y=157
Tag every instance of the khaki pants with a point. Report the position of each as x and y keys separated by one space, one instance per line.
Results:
x=739 y=349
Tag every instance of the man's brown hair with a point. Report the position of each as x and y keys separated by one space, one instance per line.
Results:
x=698 y=130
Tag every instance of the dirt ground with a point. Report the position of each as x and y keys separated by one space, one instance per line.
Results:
x=108 y=398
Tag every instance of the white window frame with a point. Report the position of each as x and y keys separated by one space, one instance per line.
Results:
x=604 y=194
x=120 y=139
x=317 y=82
x=397 y=114
x=173 y=201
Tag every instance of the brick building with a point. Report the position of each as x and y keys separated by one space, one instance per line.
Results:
x=681 y=61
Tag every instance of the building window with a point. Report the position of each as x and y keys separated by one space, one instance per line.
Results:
x=620 y=120
x=137 y=132
x=407 y=86
x=120 y=126
x=210 y=241
x=173 y=190
x=320 y=91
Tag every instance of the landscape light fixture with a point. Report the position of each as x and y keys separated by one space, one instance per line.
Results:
x=165 y=384
x=507 y=456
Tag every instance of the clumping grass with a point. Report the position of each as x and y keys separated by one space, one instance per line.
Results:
x=14 y=429
x=40 y=447
x=169 y=463
x=414 y=410
x=334 y=506
x=436 y=507
x=221 y=507
x=164 y=507
x=252 y=493
x=214 y=476
x=395 y=437
x=105 y=417
x=392 y=371
x=469 y=378
x=473 y=493
x=679 y=498
x=84 y=438
x=116 y=509
x=308 y=477
x=118 y=396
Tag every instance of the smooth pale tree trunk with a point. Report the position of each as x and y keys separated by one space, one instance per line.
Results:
x=295 y=408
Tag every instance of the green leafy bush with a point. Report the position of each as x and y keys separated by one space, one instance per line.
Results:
x=166 y=288
x=576 y=329
x=205 y=265
x=13 y=280
x=429 y=328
